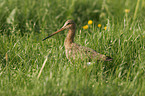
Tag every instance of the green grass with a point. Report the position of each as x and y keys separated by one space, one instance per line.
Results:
x=23 y=25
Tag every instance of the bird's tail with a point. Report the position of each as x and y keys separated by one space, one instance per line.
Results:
x=108 y=58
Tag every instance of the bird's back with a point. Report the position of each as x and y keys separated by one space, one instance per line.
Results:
x=75 y=51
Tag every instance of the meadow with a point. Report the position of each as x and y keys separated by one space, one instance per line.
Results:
x=117 y=30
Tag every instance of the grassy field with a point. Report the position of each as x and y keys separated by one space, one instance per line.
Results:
x=23 y=25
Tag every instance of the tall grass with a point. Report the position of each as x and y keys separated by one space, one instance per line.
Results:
x=23 y=25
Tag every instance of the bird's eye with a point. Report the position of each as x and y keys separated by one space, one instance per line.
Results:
x=68 y=23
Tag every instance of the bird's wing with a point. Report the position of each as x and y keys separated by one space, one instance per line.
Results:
x=90 y=53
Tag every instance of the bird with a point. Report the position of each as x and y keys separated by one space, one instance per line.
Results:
x=75 y=51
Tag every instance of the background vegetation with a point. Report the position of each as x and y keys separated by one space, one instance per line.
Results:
x=24 y=23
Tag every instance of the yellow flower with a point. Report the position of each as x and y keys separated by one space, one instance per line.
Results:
x=85 y=27
x=127 y=10
x=99 y=25
x=90 y=22
x=105 y=27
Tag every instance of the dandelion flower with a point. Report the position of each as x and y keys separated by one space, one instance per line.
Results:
x=127 y=10
x=105 y=27
x=85 y=27
x=99 y=25
x=90 y=22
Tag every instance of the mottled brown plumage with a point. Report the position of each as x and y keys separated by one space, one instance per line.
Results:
x=76 y=52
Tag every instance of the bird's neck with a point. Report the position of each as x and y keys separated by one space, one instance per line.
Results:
x=70 y=38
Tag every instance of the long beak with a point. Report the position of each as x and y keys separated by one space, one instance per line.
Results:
x=54 y=33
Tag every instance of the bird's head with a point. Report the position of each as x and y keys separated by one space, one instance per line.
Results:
x=69 y=24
